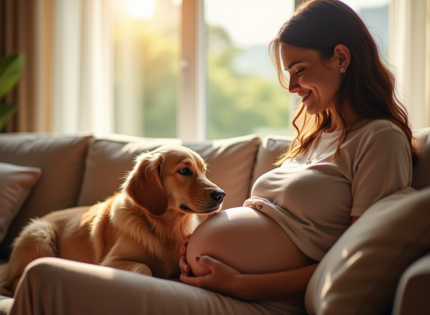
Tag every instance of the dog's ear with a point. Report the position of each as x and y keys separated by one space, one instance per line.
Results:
x=143 y=184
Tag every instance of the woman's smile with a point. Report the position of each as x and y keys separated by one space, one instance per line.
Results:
x=305 y=96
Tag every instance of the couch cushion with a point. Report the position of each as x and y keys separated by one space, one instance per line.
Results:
x=413 y=289
x=421 y=173
x=230 y=164
x=270 y=150
x=61 y=159
x=16 y=182
x=359 y=274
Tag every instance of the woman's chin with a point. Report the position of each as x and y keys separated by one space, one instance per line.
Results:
x=310 y=110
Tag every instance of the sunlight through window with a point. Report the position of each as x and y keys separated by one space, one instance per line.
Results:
x=140 y=9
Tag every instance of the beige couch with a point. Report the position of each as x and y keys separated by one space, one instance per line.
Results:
x=379 y=266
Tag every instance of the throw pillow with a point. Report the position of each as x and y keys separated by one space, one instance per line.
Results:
x=16 y=183
x=360 y=273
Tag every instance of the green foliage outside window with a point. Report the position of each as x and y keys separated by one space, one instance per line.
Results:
x=11 y=68
x=240 y=104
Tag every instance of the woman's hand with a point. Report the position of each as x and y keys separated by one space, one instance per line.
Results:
x=185 y=268
x=221 y=278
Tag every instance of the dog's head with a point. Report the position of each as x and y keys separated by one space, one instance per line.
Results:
x=172 y=177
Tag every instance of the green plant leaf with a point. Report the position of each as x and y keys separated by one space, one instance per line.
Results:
x=6 y=110
x=10 y=70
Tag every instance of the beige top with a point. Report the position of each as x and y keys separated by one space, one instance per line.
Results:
x=313 y=202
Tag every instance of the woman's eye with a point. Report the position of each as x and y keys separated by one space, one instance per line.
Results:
x=300 y=71
x=185 y=171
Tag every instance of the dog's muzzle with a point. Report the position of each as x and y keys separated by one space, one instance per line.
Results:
x=218 y=195
x=217 y=198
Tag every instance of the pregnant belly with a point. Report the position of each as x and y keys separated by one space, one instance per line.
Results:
x=247 y=240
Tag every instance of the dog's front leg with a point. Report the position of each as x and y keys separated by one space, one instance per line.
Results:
x=123 y=256
x=127 y=265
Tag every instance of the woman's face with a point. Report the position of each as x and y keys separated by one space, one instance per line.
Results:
x=316 y=81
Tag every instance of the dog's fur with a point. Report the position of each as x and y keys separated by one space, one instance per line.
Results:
x=139 y=229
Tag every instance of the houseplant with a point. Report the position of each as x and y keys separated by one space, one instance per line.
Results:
x=10 y=71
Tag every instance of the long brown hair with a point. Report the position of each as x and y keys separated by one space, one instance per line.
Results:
x=367 y=86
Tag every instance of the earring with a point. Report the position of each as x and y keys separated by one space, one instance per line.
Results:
x=342 y=70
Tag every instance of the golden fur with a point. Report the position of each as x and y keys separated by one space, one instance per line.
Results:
x=139 y=229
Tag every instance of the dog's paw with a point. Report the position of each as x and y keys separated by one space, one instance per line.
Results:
x=143 y=270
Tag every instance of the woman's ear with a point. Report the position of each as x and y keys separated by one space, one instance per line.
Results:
x=342 y=55
x=143 y=184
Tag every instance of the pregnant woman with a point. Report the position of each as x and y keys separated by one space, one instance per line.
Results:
x=353 y=147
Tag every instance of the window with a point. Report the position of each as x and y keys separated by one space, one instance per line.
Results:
x=375 y=14
x=146 y=66
x=243 y=93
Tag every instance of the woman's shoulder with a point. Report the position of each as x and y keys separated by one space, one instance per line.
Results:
x=378 y=137
x=377 y=134
x=375 y=127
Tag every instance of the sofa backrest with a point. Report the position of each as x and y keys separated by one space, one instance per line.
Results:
x=230 y=164
x=270 y=150
x=61 y=160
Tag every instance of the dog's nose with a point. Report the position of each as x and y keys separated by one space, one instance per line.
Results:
x=218 y=195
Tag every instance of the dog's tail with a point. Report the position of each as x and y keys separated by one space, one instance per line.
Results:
x=37 y=239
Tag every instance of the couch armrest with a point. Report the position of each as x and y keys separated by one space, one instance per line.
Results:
x=413 y=289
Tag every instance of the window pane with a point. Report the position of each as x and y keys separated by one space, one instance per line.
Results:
x=244 y=95
x=146 y=47
x=375 y=14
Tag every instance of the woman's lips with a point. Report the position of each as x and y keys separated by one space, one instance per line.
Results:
x=306 y=96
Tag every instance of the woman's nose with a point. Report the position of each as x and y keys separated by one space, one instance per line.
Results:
x=293 y=86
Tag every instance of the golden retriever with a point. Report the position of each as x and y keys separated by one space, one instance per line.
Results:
x=139 y=229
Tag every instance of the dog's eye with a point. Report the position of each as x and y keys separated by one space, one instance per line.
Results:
x=185 y=171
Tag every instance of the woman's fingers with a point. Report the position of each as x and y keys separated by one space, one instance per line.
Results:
x=183 y=265
x=185 y=268
x=208 y=262
x=185 y=244
x=222 y=278
x=188 y=280
x=182 y=261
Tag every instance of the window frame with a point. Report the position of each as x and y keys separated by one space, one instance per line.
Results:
x=192 y=104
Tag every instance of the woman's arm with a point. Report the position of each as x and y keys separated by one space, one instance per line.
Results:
x=227 y=280
x=289 y=284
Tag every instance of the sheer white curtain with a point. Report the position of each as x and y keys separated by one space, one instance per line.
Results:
x=82 y=77
x=410 y=56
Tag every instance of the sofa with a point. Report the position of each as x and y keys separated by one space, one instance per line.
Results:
x=380 y=265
